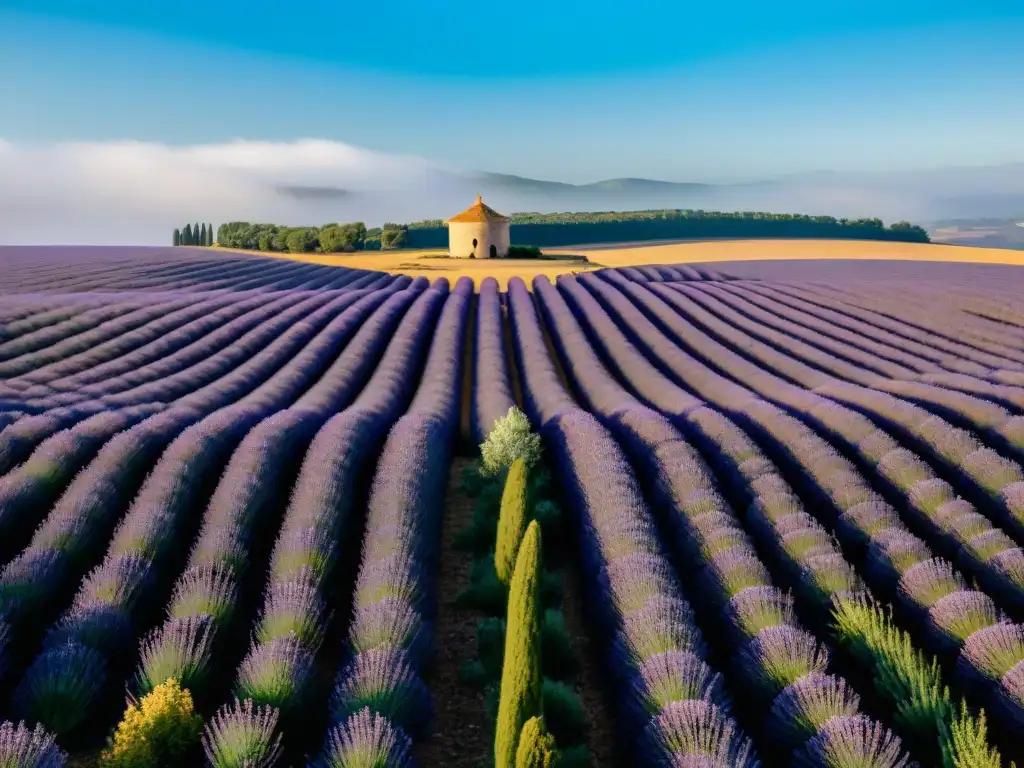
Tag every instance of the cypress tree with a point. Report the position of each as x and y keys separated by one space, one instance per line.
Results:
x=512 y=520
x=186 y=236
x=521 y=682
x=202 y=236
x=536 y=746
x=177 y=236
x=209 y=234
x=195 y=236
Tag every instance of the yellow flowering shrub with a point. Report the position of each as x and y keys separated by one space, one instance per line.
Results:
x=157 y=730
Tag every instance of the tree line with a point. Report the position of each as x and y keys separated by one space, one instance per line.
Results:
x=194 y=235
x=329 y=238
x=548 y=230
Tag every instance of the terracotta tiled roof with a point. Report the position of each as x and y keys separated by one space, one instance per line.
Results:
x=478 y=212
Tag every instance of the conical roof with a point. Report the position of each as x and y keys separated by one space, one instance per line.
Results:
x=478 y=211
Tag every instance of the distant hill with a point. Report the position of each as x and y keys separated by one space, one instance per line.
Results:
x=982 y=232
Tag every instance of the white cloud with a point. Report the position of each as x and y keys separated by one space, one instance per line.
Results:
x=137 y=192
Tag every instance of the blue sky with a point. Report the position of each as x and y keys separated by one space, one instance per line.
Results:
x=562 y=90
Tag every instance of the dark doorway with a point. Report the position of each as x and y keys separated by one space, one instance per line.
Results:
x=494 y=251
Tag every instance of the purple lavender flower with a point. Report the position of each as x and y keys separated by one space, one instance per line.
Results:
x=276 y=674
x=673 y=676
x=830 y=577
x=893 y=552
x=966 y=525
x=988 y=544
x=205 y=591
x=30 y=580
x=724 y=539
x=991 y=470
x=961 y=614
x=391 y=623
x=61 y=687
x=384 y=681
x=106 y=628
x=732 y=572
x=396 y=576
x=928 y=496
x=756 y=608
x=929 y=581
x=663 y=624
x=367 y=738
x=904 y=469
x=243 y=734
x=636 y=578
x=1011 y=694
x=293 y=609
x=802 y=708
x=779 y=656
x=21 y=747
x=848 y=741
x=297 y=548
x=120 y=581
x=991 y=653
x=696 y=733
x=772 y=505
x=863 y=521
x=180 y=649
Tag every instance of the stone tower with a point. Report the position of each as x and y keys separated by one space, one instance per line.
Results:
x=479 y=232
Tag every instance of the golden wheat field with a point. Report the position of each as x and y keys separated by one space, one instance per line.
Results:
x=433 y=263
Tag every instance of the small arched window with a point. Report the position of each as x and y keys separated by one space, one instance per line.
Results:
x=474 y=242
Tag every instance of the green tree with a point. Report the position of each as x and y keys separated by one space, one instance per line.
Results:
x=177 y=236
x=195 y=235
x=209 y=234
x=536 y=746
x=512 y=520
x=509 y=439
x=186 y=236
x=393 y=237
x=202 y=236
x=521 y=683
x=342 y=237
x=301 y=240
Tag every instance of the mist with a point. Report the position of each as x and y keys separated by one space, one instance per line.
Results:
x=129 y=192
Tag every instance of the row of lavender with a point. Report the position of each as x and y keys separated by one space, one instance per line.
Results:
x=76 y=271
x=92 y=635
x=800 y=708
x=928 y=503
x=94 y=638
x=640 y=620
x=695 y=518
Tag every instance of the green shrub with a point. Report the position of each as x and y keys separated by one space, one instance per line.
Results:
x=536 y=746
x=563 y=713
x=965 y=742
x=510 y=439
x=558 y=660
x=512 y=522
x=521 y=682
x=486 y=593
x=158 y=730
x=523 y=252
x=479 y=534
x=913 y=687
x=577 y=756
x=490 y=646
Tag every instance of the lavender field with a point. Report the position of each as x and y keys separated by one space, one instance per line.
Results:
x=791 y=505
